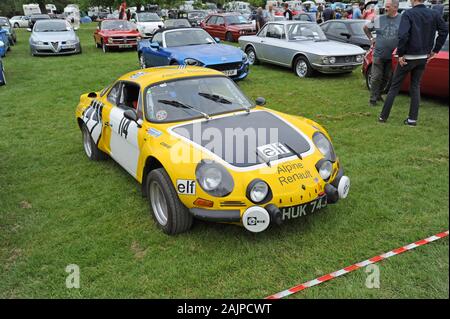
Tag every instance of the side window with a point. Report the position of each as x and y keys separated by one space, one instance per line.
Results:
x=337 y=28
x=212 y=20
x=130 y=96
x=113 y=95
x=158 y=38
x=263 y=31
x=220 y=20
x=275 y=31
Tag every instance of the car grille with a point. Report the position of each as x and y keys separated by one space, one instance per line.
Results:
x=225 y=66
x=121 y=40
x=247 y=32
x=345 y=59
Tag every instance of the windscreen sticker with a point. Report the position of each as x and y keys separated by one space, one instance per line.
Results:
x=161 y=115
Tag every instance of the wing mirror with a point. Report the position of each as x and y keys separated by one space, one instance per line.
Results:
x=217 y=39
x=154 y=45
x=131 y=115
x=260 y=101
x=29 y=29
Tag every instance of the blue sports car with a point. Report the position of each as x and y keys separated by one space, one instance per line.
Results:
x=192 y=46
x=4 y=42
x=2 y=74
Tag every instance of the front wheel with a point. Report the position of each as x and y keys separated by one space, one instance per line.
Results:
x=302 y=67
x=229 y=37
x=171 y=216
x=251 y=55
x=90 y=148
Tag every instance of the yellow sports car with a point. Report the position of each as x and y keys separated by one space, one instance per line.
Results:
x=202 y=149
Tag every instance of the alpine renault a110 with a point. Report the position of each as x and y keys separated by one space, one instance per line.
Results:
x=202 y=149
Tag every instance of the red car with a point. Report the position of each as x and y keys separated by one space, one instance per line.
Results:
x=115 y=33
x=434 y=80
x=227 y=26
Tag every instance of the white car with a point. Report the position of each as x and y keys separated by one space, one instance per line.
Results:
x=147 y=23
x=19 y=21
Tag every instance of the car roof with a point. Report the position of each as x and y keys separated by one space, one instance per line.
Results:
x=349 y=21
x=145 y=77
x=160 y=30
x=290 y=22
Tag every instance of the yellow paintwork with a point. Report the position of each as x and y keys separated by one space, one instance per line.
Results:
x=283 y=195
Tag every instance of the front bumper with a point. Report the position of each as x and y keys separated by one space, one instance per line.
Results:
x=336 y=68
x=48 y=49
x=127 y=45
x=271 y=213
x=242 y=69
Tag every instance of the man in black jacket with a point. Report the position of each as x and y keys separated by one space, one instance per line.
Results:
x=416 y=47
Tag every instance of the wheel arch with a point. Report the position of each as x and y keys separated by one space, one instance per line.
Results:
x=151 y=163
x=296 y=56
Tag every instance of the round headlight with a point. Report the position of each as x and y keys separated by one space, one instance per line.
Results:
x=214 y=179
x=258 y=191
x=325 y=60
x=324 y=145
x=359 y=58
x=332 y=60
x=325 y=169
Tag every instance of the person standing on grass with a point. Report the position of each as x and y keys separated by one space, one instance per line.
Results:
x=287 y=13
x=260 y=21
x=417 y=45
x=386 y=29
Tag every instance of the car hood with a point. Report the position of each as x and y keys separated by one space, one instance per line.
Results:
x=252 y=132
x=118 y=33
x=53 y=36
x=327 y=47
x=208 y=53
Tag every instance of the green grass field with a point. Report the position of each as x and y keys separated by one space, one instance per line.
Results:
x=58 y=208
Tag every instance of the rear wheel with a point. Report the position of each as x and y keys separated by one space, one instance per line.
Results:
x=90 y=148
x=171 y=216
x=302 y=67
x=251 y=54
x=229 y=37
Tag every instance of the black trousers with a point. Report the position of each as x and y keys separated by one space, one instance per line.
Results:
x=416 y=68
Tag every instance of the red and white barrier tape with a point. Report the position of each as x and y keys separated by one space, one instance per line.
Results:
x=353 y=267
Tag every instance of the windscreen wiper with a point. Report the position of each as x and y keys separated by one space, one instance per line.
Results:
x=184 y=106
x=215 y=97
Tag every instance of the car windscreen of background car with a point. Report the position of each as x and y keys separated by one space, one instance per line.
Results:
x=177 y=23
x=305 y=31
x=117 y=25
x=51 y=26
x=195 y=15
x=148 y=17
x=187 y=37
x=211 y=95
x=236 y=20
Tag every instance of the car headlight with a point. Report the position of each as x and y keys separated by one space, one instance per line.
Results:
x=359 y=58
x=325 y=168
x=324 y=145
x=2 y=44
x=110 y=40
x=189 y=61
x=72 y=42
x=332 y=60
x=214 y=179
x=325 y=60
x=258 y=191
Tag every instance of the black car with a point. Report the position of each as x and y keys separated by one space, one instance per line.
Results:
x=348 y=31
x=35 y=17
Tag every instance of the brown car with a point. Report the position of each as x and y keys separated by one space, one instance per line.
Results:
x=227 y=26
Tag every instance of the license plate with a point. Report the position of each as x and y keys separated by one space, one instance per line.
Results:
x=125 y=45
x=304 y=209
x=230 y=72
x=347 y=67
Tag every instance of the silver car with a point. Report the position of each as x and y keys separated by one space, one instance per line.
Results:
x=302 y=46
x=54 y=37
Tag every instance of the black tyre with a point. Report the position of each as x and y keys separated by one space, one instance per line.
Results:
x=90 y=148
x=369 y=81
x=104 y=48
x=16 y=25
x=302 y=67
x=169 y=213
x=251 y=55
x=174 y=63
x=229 y=37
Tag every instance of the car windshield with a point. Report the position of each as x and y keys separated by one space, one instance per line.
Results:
x=237 y=19
x=52 y=26
x=177 y=23
x=4 y=22
x=117 y=25
x=176 y=100
x=196 y=15
x=178 y=38
x=357 y=27
x=148 y=17
x=305 y=31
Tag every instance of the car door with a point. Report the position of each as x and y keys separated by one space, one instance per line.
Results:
x=336 y=31
x=157 y=56
x=123 y=144
x=220 y=28
x=260 y=40
x=273 y=48
x=209 y=25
